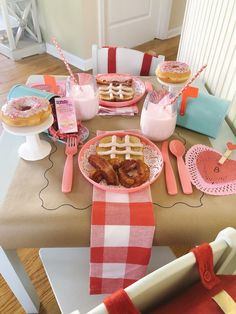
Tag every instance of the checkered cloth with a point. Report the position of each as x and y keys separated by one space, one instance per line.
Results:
x=122 y=230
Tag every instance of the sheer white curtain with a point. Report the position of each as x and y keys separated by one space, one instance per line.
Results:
x=209 y=36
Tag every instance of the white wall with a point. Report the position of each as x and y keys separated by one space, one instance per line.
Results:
x=177 y=15
x=73 y=23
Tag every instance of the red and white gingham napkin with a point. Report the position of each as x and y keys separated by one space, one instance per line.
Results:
x=122 y=230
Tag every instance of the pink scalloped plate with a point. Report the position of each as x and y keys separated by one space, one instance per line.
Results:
x=207 y=174
x=138 y=85
x=152 y=157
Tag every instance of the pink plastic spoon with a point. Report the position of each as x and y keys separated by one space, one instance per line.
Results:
x=170 y=177
x=177 y=149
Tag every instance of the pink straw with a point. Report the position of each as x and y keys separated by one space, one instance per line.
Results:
x=65 y=62
x=187 y=85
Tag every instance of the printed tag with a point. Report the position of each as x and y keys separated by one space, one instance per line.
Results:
x=66 y=117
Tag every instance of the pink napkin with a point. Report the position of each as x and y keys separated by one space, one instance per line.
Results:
x=122 y=230
x=121 y=111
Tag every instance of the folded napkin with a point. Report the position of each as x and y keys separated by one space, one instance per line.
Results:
x=121 y=111
x=122 y=230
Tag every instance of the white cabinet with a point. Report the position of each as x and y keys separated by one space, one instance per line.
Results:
x=19 y=29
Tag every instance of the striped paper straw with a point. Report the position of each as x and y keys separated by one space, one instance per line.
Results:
x=65 y=61
x=187 y=85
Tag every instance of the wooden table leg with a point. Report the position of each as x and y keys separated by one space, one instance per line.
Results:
x=18 y=280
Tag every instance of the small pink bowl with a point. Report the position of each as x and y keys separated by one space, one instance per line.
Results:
x=155 y=168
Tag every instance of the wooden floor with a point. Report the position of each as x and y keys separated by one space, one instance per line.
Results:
x=16 y=73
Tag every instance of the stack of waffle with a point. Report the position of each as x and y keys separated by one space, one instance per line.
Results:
x=117 y=91
x=127 y=147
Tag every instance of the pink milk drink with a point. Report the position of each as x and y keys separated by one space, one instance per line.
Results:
x=84 y=96
x=158 y=117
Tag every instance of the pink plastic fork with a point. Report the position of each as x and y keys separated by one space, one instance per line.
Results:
x=71 y=150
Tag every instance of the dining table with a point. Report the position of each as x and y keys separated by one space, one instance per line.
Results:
x=34 y=213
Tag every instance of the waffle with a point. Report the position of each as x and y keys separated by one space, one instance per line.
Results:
x=118 y=92
x=127 y=147
x=115 y=82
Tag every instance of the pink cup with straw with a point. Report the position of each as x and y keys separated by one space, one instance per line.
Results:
x=85 y=95
x=82 y=89
x=158 y=117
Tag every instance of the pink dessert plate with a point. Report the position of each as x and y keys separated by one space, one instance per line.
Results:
x=138 y=85
x=152 y=157
x=207 y=174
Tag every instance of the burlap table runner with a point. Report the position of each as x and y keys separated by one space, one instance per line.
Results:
x=36 y=213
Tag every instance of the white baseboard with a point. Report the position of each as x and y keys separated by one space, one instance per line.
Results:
x=174 y=32
x=27 y=48
x=82 y=64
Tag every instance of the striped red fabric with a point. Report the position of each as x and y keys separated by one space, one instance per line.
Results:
x=119 y=302
x=204 y=260
x=111 y=60
x=146 y=64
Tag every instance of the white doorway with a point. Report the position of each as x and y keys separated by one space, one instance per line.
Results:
x=129 y=23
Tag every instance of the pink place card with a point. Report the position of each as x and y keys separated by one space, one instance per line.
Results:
x=66 y=116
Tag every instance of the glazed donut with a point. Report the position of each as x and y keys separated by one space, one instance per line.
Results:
x=132 y=173
x=173 y=72
x=25 y=111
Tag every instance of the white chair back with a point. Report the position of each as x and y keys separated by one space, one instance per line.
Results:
x=179 y=274
x=127 y=61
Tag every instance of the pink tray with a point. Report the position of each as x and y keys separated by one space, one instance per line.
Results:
x=152 y=156
x=138 y=85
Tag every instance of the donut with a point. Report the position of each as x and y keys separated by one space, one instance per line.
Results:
x=129 y=172
x=173 y=72
x=132 y=173
x=25 y=111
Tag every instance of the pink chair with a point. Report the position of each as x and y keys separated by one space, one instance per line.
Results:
x=124 y=60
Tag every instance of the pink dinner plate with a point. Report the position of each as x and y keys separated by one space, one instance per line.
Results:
x=138 y=85
x=152 y=157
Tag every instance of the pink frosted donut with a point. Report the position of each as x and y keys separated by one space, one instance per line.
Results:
x=25 y=111
x=173 y=72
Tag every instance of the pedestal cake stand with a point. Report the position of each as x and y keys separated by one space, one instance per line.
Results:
x=172 y=88
x=34 y=148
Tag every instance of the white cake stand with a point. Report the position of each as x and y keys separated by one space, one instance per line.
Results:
x=34 y=148
x=172 y=88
